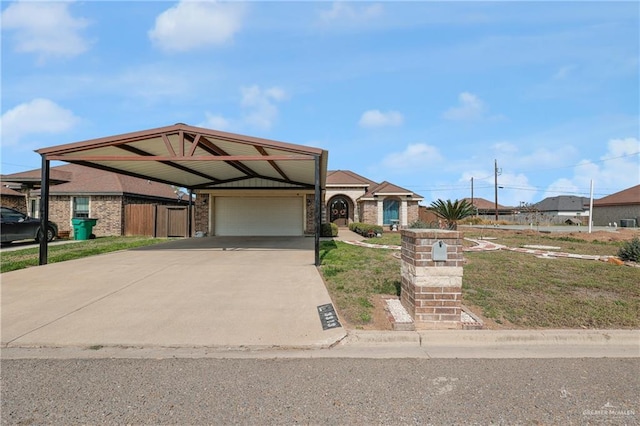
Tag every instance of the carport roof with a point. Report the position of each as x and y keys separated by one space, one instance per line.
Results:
x=198 y=158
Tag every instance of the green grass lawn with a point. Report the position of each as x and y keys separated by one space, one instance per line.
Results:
x=19 y=259
x=513 y=289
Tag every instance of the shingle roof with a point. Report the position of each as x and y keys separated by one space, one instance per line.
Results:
x=4 y=191
x=347 y=177
x=483 y=204
x=563 y=203
x=87 y=180
x=624 y=197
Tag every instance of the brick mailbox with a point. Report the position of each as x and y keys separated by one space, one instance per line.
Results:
x=432 y=277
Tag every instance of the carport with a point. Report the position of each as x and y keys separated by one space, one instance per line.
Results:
x=260 y=176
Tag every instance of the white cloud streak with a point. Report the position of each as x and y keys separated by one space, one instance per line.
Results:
x=45 y=28
x=191 y=25
x=260 y=105
x=377 y=118
x=414 y=158
x=35 y=117
x=471 y=108
x=350 y=13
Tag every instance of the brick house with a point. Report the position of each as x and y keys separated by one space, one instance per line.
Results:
x=354 y=198
x=80 y=191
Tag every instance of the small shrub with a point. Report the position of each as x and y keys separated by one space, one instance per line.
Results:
x=365 y=229
x=328 y=230
x=630 y=250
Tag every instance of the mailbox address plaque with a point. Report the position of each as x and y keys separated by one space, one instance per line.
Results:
x=439 y=251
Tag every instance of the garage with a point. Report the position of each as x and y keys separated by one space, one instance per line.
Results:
x=258 y=216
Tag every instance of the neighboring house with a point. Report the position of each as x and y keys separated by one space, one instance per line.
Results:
x=77 y=191
x=354 y=198
x=622 y=208
x=562 y=207
x=485 y=207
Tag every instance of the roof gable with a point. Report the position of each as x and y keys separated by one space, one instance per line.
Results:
x=388 y=188
x=197 y=158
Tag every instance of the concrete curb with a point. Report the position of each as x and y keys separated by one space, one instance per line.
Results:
x=480 y=338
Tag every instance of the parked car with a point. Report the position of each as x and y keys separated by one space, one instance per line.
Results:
x=16 y=226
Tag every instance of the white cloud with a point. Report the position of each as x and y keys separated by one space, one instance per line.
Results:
x=471 y=108
x=195 y=24
x=35 y=117
x=376 y=118
x=414 y=158
x=45 y=28
x=563 y=72
x=343 y=11
x=216 y=122
x=617 y=169
x=260 y=105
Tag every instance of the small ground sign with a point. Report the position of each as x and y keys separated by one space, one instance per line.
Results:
x=328 y=316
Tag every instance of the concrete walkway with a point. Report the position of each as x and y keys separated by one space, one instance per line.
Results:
x=199 y=292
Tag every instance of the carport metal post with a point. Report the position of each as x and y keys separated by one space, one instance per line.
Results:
x=44 y=212
x=317 y=209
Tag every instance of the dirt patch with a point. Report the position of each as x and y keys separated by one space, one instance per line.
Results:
x=622 y=234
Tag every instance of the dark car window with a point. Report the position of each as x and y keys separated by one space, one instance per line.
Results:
x=10 y=215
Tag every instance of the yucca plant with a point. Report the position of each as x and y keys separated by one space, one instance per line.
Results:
x=452 y=212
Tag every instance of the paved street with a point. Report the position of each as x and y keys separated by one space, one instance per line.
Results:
x=321 y=391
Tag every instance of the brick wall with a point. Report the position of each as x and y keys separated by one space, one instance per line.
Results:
x=109 y=210
x=14 y=202
x=412 y=212
x=201 y=214
x=60 y=211
x=369 y=212
x=310 y=222
x=432 y=290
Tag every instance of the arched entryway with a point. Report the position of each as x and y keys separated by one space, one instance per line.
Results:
x=340 y=210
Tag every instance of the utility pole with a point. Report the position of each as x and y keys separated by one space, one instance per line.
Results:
x=472 y=192
x=496 y=187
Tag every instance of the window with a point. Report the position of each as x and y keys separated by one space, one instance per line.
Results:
x=35 y=207
x=80 y=206
x=391 y=210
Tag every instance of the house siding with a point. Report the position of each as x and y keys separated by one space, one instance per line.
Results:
x=603 y=216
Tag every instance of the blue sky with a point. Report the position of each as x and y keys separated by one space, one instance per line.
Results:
x=422 y=94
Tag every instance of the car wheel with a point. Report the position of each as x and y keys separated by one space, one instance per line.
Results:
x=51 y=235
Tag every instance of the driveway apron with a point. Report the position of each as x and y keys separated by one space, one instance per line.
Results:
x=217 y=291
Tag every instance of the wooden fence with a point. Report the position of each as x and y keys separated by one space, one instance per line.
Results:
x=156 y=221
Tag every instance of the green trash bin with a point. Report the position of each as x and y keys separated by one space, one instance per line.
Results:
x=82 y=227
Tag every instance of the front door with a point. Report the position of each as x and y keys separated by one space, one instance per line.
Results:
x=339 y=211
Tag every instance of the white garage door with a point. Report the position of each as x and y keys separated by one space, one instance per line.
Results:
x=263 y=216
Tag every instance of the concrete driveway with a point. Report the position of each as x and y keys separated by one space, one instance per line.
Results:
x=217 y=292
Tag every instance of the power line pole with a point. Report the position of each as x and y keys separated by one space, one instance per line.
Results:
x=472 y=192
x=496 y=186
